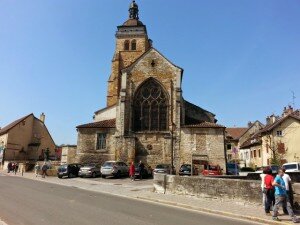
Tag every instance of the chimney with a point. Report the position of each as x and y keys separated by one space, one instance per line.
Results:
x=250 y=124
x=272 y=119
x=268 y=121
x=42 y=117
x=287 y=111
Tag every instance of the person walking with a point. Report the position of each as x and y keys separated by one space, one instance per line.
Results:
x=141 y=169
x=44 y=170
x=16 y=168
x=268 y=190
x=281 y=198
x=9 y=167
x=132 y=171
x=287 y=181
x=37 y=169
x=262 y=185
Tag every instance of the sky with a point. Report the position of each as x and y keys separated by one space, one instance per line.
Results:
x=241 y=58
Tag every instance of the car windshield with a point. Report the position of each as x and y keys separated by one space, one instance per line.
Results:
x=290 y=166
x=212 y=167
x=63 y=167
x=186 y=167
x=90 y=165
x=108 y=164
x=162 y=166
x=232 y=166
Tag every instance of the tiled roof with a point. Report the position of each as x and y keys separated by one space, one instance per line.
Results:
x=236 y=132
x=5 y=129
x=252 y=141
x=279 y=121
x=100 y=124
x=204 y=125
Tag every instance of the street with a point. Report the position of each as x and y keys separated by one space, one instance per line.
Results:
x=30 y=202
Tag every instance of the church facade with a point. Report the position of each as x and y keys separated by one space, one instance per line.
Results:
x=146 y=117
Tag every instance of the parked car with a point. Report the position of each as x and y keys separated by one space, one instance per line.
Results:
x=212 y=170
x=114 y=168
x=163 y=169
x=90 y=170
x=185 y=170
x=291 y=167
x=274 y=168
x=69 y=170
x=232 y=169
x=146 y=172
x=245 y=170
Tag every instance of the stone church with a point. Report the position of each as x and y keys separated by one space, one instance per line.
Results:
x=146 y=117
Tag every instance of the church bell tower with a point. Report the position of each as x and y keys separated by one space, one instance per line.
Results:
x=131 y=42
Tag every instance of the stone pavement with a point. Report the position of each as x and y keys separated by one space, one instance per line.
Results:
x=143 y=190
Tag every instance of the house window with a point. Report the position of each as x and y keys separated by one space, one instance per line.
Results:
x=259 y=153
x=228 y=146
x=251 y=154
x=126 y=45
x=133 y=45
x=254 y=152
x=150 y=107
x=268 y=161
x=267 y=148
x=279 y=133
x=101 y=141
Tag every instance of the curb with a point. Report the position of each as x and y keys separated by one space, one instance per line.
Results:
x=215 y=212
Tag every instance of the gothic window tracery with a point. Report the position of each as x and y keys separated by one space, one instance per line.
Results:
x=150 y=107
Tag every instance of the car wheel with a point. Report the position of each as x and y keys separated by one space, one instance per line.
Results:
x=70 y=175
x=59 y=177
x=103 y=176
x=118 y=174
x=94 y=175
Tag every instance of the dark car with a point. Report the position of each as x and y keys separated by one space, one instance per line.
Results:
x=146 y=172
x=69 y=170
x=232 y=169
x=185 y=170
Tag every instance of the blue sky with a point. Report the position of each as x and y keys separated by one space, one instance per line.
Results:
x=241 y=58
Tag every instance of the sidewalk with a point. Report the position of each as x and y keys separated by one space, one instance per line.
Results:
x=143 y=190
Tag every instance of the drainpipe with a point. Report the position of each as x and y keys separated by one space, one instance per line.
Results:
x=225 y=154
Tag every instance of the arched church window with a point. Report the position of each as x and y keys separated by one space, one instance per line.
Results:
x=133 y=45
x=126 y=45
x=150 y=107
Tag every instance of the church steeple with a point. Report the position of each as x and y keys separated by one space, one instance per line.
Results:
x=133 y=11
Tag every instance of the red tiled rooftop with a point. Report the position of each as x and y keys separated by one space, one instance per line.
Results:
x=100 y=124
x=236 y=132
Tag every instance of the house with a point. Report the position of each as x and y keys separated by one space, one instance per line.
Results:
x=146 y=117
x=26 y=140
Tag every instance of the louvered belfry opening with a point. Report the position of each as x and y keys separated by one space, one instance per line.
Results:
x=150 y=107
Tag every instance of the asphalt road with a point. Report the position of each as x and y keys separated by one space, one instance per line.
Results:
x=30 y=202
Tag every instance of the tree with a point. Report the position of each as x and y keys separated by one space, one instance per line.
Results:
x=278 y=151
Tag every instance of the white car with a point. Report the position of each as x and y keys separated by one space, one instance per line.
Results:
x=114 y=168
x=291 y=167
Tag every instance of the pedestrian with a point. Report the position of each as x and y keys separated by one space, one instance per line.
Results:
x=262 y=185
x=16 y=168
x=132 y=171
x=268 y=190
x=13 y=167
x=37 y=169
x=288 y=185
x=44 y=170
x=281 y=198
x=141 y=167
x=9 y=167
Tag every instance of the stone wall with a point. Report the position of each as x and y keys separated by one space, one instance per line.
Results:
x=239 y=190
x=86 y=146
x=203 y=141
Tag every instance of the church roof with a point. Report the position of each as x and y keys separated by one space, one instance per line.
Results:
x=100 y=124
x=132 y=23
x=204 y=125
x=236 y=132
x=5 y=129
x=130 y=67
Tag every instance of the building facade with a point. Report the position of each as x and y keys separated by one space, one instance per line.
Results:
x=146 y=117
x=26 y=140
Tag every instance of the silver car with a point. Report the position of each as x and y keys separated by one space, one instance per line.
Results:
x=90 y=170
x=163 y=169
x=114 y=168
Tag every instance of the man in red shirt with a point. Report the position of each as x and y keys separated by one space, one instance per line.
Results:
x=269 y=191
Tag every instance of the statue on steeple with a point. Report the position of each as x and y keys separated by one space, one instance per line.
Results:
x=133 y=11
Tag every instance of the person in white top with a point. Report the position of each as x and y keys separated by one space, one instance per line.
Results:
x=287 y=181
x=262 y=176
